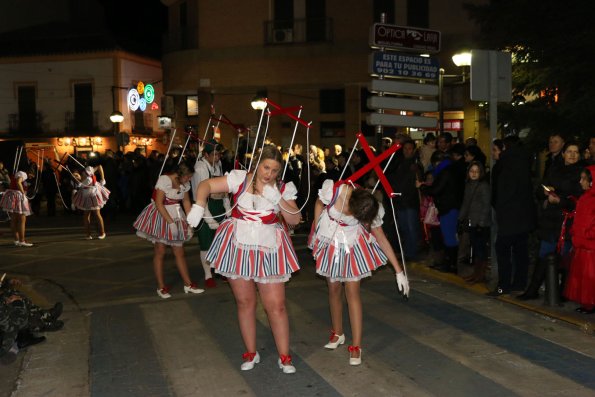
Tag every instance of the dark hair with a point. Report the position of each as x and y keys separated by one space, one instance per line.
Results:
x=437 y=157
x=511 y=141
x=183 y=169
x=363 y=206
x=571 y=143
x=498 y=143
x=447 y=137
x=477 y=154
x=429 y=137
x=458 y=148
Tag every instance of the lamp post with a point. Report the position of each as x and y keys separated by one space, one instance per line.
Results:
x=462 y=59
x=116 y=118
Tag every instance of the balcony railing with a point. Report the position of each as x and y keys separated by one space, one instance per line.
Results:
x=22 y=124
x=76 y=123
x=311 y=30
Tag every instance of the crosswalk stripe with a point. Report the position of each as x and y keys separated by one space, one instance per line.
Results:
x=193 y=361
x=489 y=360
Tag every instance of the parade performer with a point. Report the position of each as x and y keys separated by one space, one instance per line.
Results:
x=209 y=166
x=163 y=222
x=253 y=249
x=348 y=243
x=581 y=279
x=90 y=197
x=14 y=201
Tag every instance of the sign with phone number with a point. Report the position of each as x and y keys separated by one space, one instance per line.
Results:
x=402 y=64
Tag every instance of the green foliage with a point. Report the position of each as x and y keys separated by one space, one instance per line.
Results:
x=552 y=43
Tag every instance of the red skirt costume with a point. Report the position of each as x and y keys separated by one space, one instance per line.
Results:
x=90 y=194
x=253 y=244
x=342 y=247
x=13 y=200
x=580 y=286
x=151 y=225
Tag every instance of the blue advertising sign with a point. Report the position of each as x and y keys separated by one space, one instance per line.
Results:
x=402 y=64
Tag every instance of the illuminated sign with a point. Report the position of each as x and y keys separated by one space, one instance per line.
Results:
x=139 y=97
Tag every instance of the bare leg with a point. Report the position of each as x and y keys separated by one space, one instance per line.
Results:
x=354 y=302
x=159 y=253
x=335 y=300
x=100 y=225
x=181 y=264
x=273 y=300
x=21 y=221
x=87 y=222
x=244 y=292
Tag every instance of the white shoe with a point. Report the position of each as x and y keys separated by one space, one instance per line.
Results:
x=88 y=238
x=355 y=360
x=251 y=360
x=164 y=293
x=17 y=243
x=23 y=244
x=102 y=236
x=193 y=288
x=333 y=345
x=286 y=365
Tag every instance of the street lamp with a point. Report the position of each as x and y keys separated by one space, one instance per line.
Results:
x=258 y=103
x=116 y=117
x=462 y=59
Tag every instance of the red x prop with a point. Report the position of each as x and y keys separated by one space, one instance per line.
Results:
x=287 y=111
x=223 y=118
x=374 y=163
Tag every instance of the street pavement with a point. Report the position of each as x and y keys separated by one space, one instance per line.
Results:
x=121 y=339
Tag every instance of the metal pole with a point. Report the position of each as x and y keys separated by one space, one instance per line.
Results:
x=440 y=101
x=493 y=76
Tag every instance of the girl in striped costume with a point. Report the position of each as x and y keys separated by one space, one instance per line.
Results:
x=163 y=222
x=252 y=248
x=15 y=202
x=348 y=244
x=90 y=196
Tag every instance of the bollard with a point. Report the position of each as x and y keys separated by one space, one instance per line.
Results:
x=552 y=293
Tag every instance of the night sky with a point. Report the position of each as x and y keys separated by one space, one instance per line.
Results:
x=138 y=25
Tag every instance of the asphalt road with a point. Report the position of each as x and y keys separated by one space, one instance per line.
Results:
x=120 y=339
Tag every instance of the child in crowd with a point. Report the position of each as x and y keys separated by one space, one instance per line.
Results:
x=429 y=217
x=581 y=280
x=163 y=222
x=348 y=244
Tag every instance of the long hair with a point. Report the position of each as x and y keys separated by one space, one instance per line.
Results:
x=363 y=206
x=268 y=152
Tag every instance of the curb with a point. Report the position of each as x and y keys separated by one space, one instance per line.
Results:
x=586 y=325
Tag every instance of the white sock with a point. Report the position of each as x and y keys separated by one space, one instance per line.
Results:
x=205 y=265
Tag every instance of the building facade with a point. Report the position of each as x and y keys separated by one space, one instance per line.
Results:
x=312 y=53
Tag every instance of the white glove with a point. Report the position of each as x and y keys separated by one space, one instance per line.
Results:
x=195 y=215
x=213 y=225
x=403 y=283
x=272 y=194
x=173 y=228
x=102 y=182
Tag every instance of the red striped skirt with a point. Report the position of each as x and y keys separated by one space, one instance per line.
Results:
x=151 y=226
x=16 y=202
x=252 y=262
x=91 y=197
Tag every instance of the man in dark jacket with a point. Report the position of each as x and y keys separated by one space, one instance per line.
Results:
x=515 y=216
x=402 y=178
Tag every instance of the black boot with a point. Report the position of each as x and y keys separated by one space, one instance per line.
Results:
x=25 y=338
x=56 y=311
x=450 y=260
x=532 y=291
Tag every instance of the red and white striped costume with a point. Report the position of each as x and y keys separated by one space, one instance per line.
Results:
x=253 y=244
x=90 y=195
x=13 y=200
x=342 y=247
x=151 y=225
